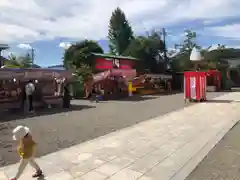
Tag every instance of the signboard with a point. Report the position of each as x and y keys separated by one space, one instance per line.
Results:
x=103 y=64
x=6 y=74
x=113 y=63
x=159 y=76
x=33 y=74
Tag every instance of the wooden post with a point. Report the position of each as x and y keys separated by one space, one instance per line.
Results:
x=130 y=89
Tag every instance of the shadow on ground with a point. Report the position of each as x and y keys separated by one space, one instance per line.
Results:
x=218 y=101
x=168 y=93
x=41 y=178
x=15 y=115
x=137 y=98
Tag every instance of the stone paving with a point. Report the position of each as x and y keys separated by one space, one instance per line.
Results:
x=165 y=147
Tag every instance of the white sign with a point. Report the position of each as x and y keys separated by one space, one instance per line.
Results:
x=116 y=63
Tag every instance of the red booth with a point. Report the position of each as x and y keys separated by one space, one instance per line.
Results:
x=195 y=86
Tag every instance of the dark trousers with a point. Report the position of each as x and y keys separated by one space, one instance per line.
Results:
x=30 y=102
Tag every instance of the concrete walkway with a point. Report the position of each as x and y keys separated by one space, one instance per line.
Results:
x=165 y=147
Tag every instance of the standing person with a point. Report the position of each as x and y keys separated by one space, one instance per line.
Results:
x=26 y=150
x=66 y=97
x=169 y=86
x=30 y=88
x=22 y=97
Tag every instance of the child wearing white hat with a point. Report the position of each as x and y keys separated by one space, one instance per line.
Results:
x=26 y=149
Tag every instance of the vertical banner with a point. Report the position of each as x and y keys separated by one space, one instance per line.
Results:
x=200 y=87
x=205 y=87
x=193 y=87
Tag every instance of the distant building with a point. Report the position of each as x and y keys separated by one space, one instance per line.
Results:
x=59 y=67
x=233 y=62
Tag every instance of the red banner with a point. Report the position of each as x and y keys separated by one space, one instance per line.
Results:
x=105 y=63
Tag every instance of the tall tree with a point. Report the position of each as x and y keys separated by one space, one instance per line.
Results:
x=189 y=42
x=120 y=32
x=182 y=61
x=148 y=50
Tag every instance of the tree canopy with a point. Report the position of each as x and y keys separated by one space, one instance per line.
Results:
x=147 y=49
x=213 y=59
x=181 y=61
x=79 y=56
x=24 y=61
x=120 y=32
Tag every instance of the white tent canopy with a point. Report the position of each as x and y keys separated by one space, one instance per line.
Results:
x=196 y=55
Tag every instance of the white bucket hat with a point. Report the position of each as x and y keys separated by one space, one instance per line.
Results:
x=19 y=132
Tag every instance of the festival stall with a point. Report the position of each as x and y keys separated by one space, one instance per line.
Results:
x=113 y=75
x=195 y=82
x=113 y=82
x=195 y=86
x=213 y=80
x=152 y=83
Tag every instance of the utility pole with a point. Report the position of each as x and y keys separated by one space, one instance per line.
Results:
x=32 y=53
x=165 y=48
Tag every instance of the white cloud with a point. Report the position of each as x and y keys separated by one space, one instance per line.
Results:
x=25 y=46
x=215 y=46
x=30 y=20
x=65 y=45
x=227 y=31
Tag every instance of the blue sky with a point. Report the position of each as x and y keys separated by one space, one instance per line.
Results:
x=45 y=24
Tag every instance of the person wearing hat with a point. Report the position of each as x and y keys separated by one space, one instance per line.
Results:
x=25 y=149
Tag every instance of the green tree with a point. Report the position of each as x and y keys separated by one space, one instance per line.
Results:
x=120 y=32
x=189 y=42
x=78 y=57
x=148 y=49
x=24 y=61
x=181 y=62
x=80 y=54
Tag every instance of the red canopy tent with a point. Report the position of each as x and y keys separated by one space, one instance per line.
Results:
x=216 y=75
x=108 y=79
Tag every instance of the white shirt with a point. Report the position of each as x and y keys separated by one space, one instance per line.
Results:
x=29 y=88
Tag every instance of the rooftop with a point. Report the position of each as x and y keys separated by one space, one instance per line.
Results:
x=117 y=57
x=4 y=47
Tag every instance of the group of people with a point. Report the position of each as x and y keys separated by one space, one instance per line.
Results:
x=30 y=93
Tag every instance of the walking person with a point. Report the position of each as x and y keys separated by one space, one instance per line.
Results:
x=26 y=150
x=93 y=94
x=30 y=88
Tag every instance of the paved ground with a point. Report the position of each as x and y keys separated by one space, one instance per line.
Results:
x=223 y=162
x=165 y=147
x=54 y=130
